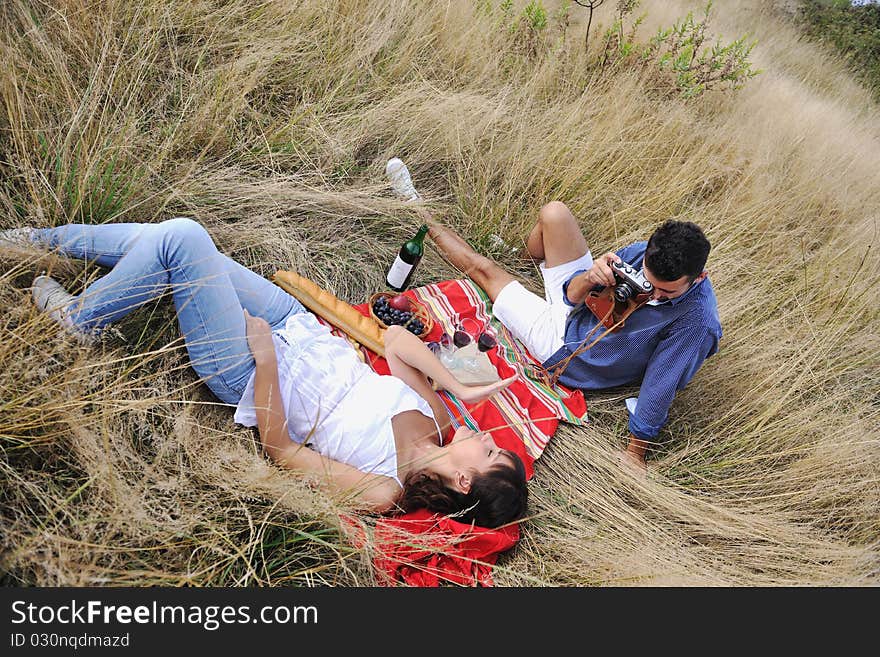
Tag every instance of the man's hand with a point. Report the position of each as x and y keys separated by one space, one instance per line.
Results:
x=259 y=337
x=633 y=457
x=600 y=273
x=632 y=463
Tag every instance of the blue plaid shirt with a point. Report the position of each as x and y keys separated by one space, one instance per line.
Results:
x=661 y=345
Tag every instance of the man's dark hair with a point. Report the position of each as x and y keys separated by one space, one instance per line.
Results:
x=676 y=249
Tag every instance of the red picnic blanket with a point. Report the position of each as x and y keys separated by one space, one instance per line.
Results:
x=422 y=549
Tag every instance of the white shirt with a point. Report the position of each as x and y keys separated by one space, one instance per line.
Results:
x=333 y=401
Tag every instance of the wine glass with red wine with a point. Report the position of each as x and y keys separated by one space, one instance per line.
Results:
x=461 y=338
x=466 y=331
x=486 y=341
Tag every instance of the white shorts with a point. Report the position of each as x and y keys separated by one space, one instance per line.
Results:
x=539 y=323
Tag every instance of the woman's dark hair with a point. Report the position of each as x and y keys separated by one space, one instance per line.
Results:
x=496 y=497
x=676 y=249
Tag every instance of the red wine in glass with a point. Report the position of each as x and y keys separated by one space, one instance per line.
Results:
x=466 y=331
x=461 y=338
x=486 y=341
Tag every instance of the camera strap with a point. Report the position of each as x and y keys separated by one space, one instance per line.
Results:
x=550 y=375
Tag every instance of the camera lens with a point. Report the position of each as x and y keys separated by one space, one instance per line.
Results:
x=623 y=292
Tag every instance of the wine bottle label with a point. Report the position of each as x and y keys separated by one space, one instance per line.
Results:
x=397 y=274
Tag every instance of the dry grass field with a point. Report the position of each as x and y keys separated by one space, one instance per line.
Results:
x=271 y=122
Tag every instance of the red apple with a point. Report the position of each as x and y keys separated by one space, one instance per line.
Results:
x=399 y=302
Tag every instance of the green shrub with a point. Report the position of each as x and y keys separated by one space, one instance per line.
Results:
x=853 y=30
x=681 y=51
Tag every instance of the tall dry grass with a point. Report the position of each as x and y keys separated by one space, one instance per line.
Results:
x=271 y=123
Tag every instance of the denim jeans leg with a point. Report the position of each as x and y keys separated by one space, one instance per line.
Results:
x=208 y=288
x=104 y=244
x=179 y=253
x=261 y=297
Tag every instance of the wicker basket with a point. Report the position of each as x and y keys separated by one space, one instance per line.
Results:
x=417 y=309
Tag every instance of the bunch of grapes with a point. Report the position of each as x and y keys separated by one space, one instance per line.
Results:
x=390 y=316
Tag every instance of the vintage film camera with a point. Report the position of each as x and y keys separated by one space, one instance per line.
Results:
x=630 y=291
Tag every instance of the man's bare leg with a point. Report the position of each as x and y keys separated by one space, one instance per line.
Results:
x=556 y=237
x=484 y=272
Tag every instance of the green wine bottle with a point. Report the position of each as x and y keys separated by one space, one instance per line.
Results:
x=401 y=272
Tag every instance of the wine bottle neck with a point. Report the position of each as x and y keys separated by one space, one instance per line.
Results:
x=420 y=236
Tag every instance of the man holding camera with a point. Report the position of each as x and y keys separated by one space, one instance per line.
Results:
x=662 y=344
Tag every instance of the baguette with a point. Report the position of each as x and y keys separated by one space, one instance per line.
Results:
x=339 y=313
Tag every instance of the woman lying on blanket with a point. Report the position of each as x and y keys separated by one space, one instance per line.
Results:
x=375 y=438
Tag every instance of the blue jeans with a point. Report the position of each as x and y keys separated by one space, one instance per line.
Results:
x=209 y=290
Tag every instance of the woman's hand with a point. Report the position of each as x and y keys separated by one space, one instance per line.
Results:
x=259 y=337
x=472 y=394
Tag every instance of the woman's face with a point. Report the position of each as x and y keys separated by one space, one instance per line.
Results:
x=476 y=450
